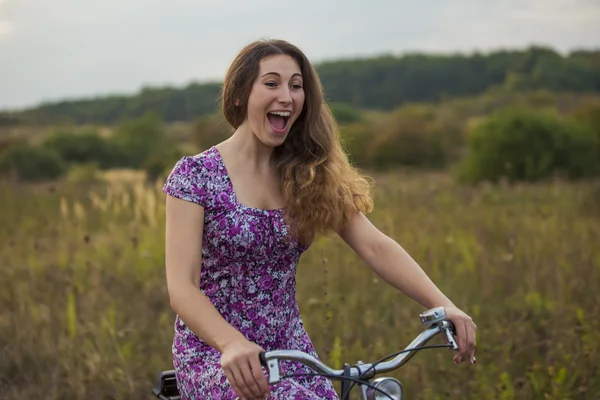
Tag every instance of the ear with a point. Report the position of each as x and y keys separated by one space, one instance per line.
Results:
x=237 y=102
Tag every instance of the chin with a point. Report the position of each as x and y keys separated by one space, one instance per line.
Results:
x=275 y=140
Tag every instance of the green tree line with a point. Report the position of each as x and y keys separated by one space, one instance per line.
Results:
x=380 y=83
x=527 y=138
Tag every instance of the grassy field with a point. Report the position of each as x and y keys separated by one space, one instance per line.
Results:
x=84 y=312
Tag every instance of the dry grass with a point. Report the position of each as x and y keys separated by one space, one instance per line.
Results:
x=84 y=311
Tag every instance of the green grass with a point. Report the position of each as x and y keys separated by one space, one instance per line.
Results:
x=84 y=312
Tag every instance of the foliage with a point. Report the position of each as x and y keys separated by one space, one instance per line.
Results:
x=83 y=148
x=356 y=138
x=86 y=314
x=518 y=144
x=383 y=83
x=31 y=163
x=210 y=130
x=414 y=136
x=136 y=139
x=588 y=114
x=345 y=113
x=7 y=142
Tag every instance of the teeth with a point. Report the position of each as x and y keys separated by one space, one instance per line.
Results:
x=281 y=113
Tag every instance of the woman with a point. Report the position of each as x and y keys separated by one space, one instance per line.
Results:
x=239 y=216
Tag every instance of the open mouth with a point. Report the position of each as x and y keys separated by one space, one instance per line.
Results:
x=279 y=120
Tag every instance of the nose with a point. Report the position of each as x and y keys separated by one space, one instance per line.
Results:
x=285 y=97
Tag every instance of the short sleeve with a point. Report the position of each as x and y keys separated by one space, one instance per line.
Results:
x=187 y=181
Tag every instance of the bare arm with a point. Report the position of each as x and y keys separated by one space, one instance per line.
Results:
x=184 y=227
x=239 y=360
x=394 y=265
x=391 y=262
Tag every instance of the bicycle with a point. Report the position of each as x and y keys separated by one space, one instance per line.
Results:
x=361 y=374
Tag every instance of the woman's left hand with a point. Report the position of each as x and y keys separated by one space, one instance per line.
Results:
x=466 y=333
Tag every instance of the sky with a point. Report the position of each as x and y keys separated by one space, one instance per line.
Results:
x=54 y=50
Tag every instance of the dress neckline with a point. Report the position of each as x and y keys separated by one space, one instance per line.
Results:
x=235 y=198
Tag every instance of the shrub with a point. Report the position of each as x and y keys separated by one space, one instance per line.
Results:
x=138 y=139
x=157 y=166
x=522 y=145
x=589 y=115
x=414 y=136
x=210 y=130
x=29 y=163
x=356 y=138
x=83 y=148
x=345 y=113
x=6 y=143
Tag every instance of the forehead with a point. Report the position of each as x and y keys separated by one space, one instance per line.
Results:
x=281 y=64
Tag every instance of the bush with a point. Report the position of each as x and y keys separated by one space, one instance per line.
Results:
x=138 y=139
x=6 y=143
x=84 y=148
x=589 y=115
x=345 y=113
x=522 y=145
x=29 y=163
x=210 y=130
x=157 y=166
x=356 y=138
x=414 y=136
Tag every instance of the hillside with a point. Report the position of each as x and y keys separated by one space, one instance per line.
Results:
x=378 y=83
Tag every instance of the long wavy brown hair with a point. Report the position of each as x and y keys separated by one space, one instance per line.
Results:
x=322 y=189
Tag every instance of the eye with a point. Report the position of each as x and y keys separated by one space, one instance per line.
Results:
x=297 y=86
x=271 y=84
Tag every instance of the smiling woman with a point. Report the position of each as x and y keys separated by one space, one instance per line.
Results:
x=240 y=215
x=254 y=203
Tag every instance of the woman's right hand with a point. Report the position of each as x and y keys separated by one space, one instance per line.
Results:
x=240 y=361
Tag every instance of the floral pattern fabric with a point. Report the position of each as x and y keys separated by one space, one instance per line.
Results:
x=248 y=272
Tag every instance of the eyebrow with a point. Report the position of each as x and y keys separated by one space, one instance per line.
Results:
x=276 y=73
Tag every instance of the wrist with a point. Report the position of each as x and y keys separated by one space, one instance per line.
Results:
x=226 y=340
x=443 y=302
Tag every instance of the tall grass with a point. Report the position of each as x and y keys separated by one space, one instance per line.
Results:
x=84 y=312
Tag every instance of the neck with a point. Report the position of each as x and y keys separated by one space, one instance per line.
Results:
x=250 y=151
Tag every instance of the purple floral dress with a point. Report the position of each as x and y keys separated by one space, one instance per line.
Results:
x=248 y=273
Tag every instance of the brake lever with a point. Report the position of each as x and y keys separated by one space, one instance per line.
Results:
x=272 y=366
x=450 y=332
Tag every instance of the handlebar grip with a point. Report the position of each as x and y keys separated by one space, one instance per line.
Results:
x=451 y=327
x=263 y=359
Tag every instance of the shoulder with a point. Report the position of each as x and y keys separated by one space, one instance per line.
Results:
x=202 y=163
x=191 y=176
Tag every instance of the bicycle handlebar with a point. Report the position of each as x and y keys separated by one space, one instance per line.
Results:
x=434 y=319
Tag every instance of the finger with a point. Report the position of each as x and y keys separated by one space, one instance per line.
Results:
x=466 y=350
x=473 y=342
x=462 y=342
x=259 y=376
x=233 y=382
x=241 y=382
x=251 y=384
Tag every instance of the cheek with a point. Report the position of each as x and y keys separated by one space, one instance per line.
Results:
x=299 y=100
x=254 y=113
